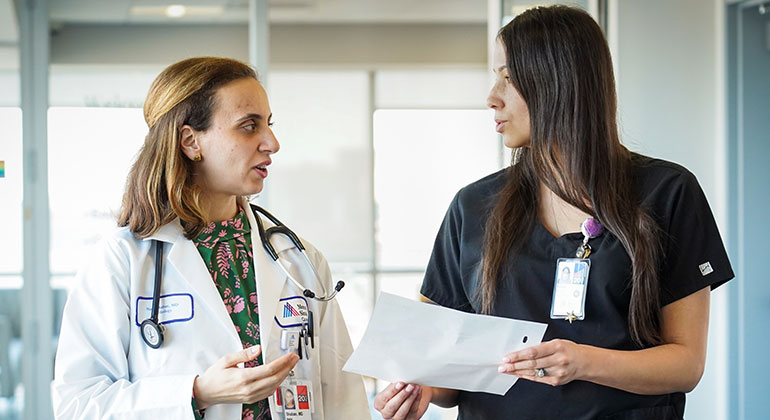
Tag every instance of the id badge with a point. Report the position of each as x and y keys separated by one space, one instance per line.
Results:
x=294 y=398
x=569 y=289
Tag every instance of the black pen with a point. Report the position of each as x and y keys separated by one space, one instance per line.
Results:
x=310 y=328
x=299 y=343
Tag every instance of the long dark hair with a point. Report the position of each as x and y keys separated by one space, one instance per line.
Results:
x=560 y=64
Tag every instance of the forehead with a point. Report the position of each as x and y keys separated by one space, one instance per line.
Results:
x=499 y=55
x=242 y=96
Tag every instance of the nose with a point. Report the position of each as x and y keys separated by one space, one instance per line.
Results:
x=494 y=100
x=269 y=143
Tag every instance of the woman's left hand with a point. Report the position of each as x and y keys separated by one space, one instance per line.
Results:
x=562 y=360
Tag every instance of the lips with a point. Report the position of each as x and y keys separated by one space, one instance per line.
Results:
x=499 y=124
x=262 y=168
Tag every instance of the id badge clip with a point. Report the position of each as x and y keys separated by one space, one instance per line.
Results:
x=571 y=279
x=569 y=289
x=299 y=339
x=294 y=398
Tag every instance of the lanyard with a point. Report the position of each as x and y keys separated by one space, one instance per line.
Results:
x=590 y=228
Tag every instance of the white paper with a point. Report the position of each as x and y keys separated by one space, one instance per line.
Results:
x=427 y=344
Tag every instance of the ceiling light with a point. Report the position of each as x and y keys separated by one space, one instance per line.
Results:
x=176 y=11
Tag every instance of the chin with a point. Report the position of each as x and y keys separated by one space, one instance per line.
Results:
x=515 y=143
x=251 y=189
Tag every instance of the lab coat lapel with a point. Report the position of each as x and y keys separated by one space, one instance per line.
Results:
x=270 y=279
x=186 y=260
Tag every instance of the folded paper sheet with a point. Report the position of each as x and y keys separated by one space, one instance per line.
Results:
x=431 y=345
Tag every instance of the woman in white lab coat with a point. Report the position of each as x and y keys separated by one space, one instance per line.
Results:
x=230 y=318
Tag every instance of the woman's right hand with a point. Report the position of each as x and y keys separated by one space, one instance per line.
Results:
x=225 y=382
x=400 y=401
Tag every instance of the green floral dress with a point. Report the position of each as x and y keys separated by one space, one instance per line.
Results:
x=226 y=250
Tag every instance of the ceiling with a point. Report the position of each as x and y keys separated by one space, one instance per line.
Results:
x=123 y=12
x=281 y=11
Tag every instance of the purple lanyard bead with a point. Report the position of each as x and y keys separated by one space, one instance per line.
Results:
x=591 y=228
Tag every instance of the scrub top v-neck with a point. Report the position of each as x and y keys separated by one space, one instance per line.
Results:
x=691 y=242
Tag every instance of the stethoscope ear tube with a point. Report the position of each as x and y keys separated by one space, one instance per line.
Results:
x=150 y=329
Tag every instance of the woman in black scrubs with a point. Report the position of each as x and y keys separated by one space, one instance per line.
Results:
x=626 y=338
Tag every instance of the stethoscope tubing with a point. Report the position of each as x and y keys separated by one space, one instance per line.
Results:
x=264 y=236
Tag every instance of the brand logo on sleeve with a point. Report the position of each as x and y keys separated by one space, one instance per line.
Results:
x=705 y=268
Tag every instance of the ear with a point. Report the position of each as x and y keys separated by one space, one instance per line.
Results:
x=189 y=142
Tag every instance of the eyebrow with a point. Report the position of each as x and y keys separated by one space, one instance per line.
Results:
x=254 y=117
x=499 y=69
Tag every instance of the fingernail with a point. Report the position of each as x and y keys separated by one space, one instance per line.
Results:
x=409 y=388
x=506 y=360
x=254 y=350
x=399 y=385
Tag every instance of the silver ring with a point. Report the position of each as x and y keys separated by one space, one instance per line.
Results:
x=540 y=372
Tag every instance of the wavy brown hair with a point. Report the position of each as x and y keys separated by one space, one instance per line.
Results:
x=560 y=64
x=160 y=184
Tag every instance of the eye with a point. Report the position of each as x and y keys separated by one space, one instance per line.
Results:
x=249 y=125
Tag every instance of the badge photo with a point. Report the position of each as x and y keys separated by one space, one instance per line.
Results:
x=294 y=399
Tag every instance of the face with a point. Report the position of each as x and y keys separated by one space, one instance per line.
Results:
x=511 y=112
x=237 y=146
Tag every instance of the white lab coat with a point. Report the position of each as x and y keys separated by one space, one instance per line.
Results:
x=104 y=370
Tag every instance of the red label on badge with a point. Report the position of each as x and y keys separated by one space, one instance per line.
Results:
x=278 y=396
x=303 y=399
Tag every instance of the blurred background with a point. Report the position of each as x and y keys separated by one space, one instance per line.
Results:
x=380 y=110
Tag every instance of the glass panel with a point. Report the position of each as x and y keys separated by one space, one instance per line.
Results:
x=11 y=388
x=101 y=86
x=422 y=158
x=412 y=89
x=403 y=284
x=319 y=183
x=355 y=301
x=11 y=182
x=9 y=83
x=11 y=262
x=89 y=149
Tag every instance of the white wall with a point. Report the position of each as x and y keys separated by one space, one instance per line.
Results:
x=670 y=84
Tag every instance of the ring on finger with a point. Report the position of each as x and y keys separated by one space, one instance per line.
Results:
x=540 y=372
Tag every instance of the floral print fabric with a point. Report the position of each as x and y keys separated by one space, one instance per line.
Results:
x=226 y=250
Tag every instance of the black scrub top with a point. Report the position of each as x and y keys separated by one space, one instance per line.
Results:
x=691 y=244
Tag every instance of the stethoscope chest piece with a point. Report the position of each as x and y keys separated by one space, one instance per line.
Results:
x=152 y=333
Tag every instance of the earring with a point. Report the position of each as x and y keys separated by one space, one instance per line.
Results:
x=197 y=158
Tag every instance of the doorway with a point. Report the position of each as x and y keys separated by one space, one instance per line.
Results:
x=748 y=119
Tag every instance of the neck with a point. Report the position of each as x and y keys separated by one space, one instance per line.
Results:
x=219 y=207
x=558 y=216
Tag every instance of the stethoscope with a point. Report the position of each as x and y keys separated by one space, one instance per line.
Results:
x=151 y=329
